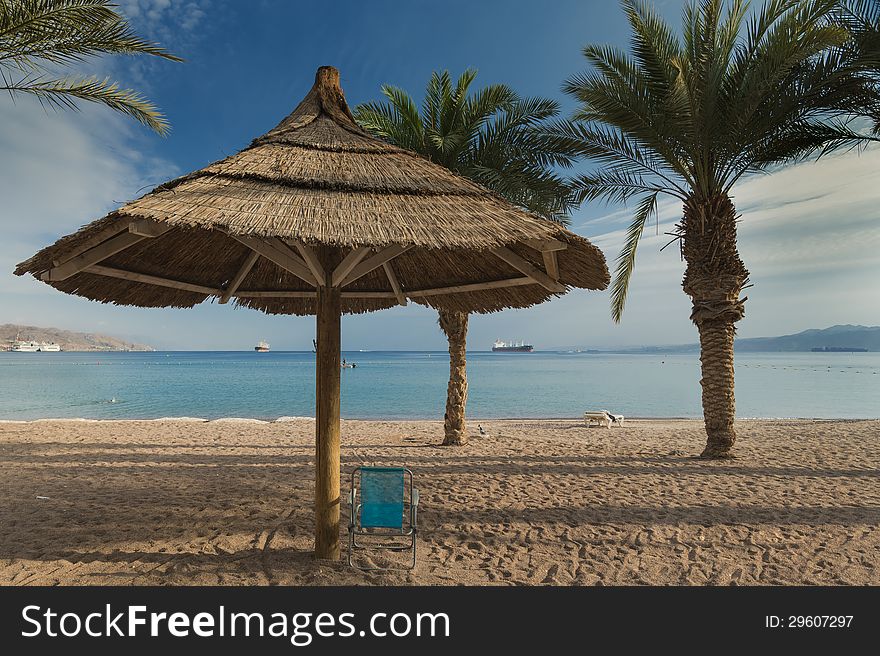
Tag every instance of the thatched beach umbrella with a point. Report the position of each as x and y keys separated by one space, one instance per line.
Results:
x=318 y=217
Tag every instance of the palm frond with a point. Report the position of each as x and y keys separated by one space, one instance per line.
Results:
x=491 y=136
x=452 y=111
x=737 y=90
x=34 y=33
x=861 y=18
x=618 y=151
x=614 y=187
x=796 y=36
x=63 y=94
x=37 y=35
x=408 y=113
x=532 y=187
x=859 y=15
x=626 y=260
x=484 y=104
x=386 y=122
x=654 y=46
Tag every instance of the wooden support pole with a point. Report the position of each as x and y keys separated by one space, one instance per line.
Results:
x=120 y=225
x=327 y=500
x=281 y=293
x=415 y=293
x=148 y=228
x=371 y=263
x=150 y=280
x=548 y=249
x=234 y=284
x=475 y=287
x=551 y=264
x=395 y=284
x=525 y=267
x=545 y=244
x=368 y=294
x=348 y=263
x=285 y=249
x=312 y=261
x=98 y=253
x=285 y=260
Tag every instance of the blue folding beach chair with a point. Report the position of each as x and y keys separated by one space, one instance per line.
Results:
x=384 y=507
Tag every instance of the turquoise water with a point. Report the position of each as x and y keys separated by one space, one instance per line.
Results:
x=413 y=385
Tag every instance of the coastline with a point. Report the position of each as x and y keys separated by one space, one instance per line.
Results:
x=285 y=419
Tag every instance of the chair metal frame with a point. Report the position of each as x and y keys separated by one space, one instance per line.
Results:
x=408 y=529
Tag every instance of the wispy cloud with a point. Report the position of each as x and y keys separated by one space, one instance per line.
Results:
x=61 y=170
x=178 y=26
x=809 y=234
x=165 y=18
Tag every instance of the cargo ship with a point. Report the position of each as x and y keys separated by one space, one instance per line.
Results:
x=839 y=349
x=511 y=347
x=262 y=347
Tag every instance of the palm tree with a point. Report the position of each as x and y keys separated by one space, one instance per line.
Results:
x=739 y=91
x=862 y=19
x=37 y=36
x=491 y=137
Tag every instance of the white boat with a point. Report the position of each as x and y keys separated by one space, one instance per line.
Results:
x=20 y=346
x=262 y=347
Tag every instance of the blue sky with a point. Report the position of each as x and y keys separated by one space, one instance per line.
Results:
x=810 y=234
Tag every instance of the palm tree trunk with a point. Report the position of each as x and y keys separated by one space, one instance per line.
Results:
x=454 y=324
x=714 y=278
x=719 y=407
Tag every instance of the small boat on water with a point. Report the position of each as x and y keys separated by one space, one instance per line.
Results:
x=511 y=347
x=262 y=347
x=31 y=346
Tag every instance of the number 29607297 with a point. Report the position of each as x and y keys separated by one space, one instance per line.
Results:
x=808 y=621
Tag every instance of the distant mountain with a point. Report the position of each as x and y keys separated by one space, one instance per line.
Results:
x=847 y=336
x=835 y=337
x=68 y=340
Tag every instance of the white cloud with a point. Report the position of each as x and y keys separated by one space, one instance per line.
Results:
x=178 y=26
x=164 y=17
x=58 y=161
x=810 y=236
x=60 y=171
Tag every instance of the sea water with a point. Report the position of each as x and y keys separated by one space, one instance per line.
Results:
x=412 y=385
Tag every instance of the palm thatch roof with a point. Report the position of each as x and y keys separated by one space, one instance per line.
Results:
x=318 y=201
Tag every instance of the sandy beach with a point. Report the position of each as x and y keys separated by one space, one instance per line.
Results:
x=533 y=502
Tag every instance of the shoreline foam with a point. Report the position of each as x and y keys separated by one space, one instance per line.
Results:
x=286 y=419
